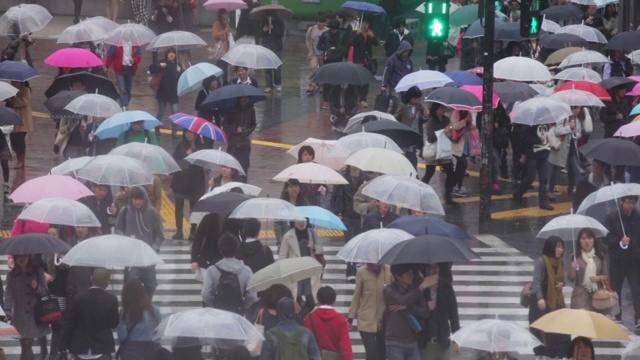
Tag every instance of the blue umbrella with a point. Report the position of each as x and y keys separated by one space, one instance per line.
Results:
x=16 y=71
x=635 y=110
x=227 y=96
x=321 y=217
x=363 y=6
x=417 y=226
x=461 y=78
x=119 y=123
x=191 y=79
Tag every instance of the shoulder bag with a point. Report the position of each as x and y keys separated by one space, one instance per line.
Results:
x=604 y=298
x=217 y=51
x=47 y=310
x=155 y=80
x=326 y=354
x=255 y=345
x=525 y=295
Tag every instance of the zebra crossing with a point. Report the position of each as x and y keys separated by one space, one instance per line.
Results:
x=487 y=288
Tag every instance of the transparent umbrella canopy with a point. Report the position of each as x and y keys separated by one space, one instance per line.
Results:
x=60 y=211
x=112 y=251
x=404 y=191
x=369 y=246
x=116 y=170
x=156 y=159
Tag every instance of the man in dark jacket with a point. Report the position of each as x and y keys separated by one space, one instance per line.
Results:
x=380 y=218
x=398 y=65
x=397 y=36
x=102 y=206
x=471 y=50
x=252 y=252
x=590 y=183
x=239 y=122
x=620 y=65
x=272 y=33
x=536 y=149
x=333 y=45
x=616 y=112
x=362 y=41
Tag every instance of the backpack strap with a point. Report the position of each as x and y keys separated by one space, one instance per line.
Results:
x=146 y=136
x=279 y=334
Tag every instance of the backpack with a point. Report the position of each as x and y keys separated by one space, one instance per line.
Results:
x=228 y=294
x=290 y=347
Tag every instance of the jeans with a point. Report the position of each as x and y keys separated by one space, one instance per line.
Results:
x=273 y=77
x=147 y=276
x=125 y=81
x=163 y=105
x=407 y=352
x=539 y=167
x=353 y=228
x=374 y=345
x=573 y=171
x=461 y=168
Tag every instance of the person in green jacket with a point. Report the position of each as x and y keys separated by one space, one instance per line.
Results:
x=137 y=133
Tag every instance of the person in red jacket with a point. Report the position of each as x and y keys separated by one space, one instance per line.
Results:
x=124 y=59
x=329 y=326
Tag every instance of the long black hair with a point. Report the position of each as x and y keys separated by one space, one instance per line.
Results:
x=549 y=247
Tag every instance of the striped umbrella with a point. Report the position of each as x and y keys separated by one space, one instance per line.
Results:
x=200 y=126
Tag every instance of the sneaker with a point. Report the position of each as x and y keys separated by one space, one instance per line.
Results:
x=546 y=207
x=460 y=192
x=267 y=90
x=178 y=236
x=364 y=104
x=325 y=105
x=6 y=189
x=279 y=88
x=564 y=171
x=351 y=279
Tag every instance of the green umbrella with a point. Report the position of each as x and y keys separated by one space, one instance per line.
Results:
x=464 y=15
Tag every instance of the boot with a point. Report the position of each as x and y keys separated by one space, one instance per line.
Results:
x=192 y=232
x=20 y=161
x=43 y=348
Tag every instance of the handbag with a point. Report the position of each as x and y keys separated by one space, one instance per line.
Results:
x=326 y=354
x=525 y=295
x=429 y=151
x=255 y=345
x=555 y=142
x=474 y=141
x=155 y=80
x=448 y=51
x=444 y=148
x=382 y=102
x=604 y=298
x=217 y=51
x=456 y=135
x=47 y=310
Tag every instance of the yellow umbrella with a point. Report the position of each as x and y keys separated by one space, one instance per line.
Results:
x=557 y=56
x=580 y=323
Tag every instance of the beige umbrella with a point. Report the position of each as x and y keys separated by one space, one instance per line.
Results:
x=581 y=323
x=285 y=271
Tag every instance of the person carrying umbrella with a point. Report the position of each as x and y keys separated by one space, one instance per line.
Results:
x=620 y=65
x=438 y=121
x=137 y=133
x=536 y=150
x=272 y=32
x=332 y=44
x=616 y=112
x=314 y=56
x=21 y=103
x=221 y=32
x=124 y=59
x=239 y=123
x=17 y=44
x=343 y=102
x=591 y=183
x=167 y=92
x=399 y=34
x=362 y=42
x=161 y=22
x=413 y=114
x=209 y=84
x=398 y=65
x=588 y=269
x=242 y=77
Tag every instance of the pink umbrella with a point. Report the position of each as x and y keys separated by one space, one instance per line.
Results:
x=73 y=58
x=477 y=91
x=630 y=130
x=49 y=186
x=636 y=89
x=225 y=4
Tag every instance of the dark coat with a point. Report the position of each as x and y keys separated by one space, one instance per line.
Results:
x=375 y=220
x=632 y=229
x=444 y=320
x=100 y=210
x=342 y=197
x=212 y=115
x=531 y=140
x=96 y=146
x=168 y=90
x=238 y=116
x=255 y=255
x=161 y=24
x=204 y=249
x=189 y=181
x=252 y=80
x=397 y=66
x=272 y=40
x=609 y=112
x=583 y=189
x=470 y=55
x=362 y=46
x=393 y=41
x=329 y=39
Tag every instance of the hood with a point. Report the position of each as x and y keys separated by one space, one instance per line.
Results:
x=252 y=248
x=145 y=204
x=327 y=315
x=404 y=45
x=231 y=265
x=404 y=33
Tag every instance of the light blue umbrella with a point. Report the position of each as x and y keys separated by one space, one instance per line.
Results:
x=119 y=123
x=322 y=217
x=191 y=79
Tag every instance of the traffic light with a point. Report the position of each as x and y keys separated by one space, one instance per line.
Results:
x=530 y=18
x=437 y=19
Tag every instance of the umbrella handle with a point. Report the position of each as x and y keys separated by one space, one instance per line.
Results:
x=56 y=260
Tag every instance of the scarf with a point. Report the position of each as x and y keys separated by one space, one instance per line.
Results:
x=590 y=270
x=374 y=268
x=554 y=298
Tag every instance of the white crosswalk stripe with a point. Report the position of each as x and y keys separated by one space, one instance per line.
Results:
x=484 y=289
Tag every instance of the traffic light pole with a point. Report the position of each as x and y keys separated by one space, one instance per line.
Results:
x=487 y=113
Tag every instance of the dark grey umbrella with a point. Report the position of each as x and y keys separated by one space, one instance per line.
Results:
x=428 y=249
x=55 y=105
x=227 y=96
x=33 y=244
x=612 y=151
x=561 y=41
x=615 y=81
x=456 y=98
x=563 y=13
x=221 y=203
x=343 y=73
x=625 y=41
x=400 y=133
x=9 y=117
x=511 y=91
x=477 y=28
x=93 y=84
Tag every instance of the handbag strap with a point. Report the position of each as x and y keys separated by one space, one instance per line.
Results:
x=259 y=317
x=129 y=330
x=313 y=323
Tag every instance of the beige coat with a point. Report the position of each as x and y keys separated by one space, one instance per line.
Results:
x=22 y=106
x=289 y=248
x=367 y=305
x=457 y=124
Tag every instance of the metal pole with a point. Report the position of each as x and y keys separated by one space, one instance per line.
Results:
x=487 y=114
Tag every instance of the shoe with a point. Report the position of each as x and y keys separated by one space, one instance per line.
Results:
x=364 y=104
x=325 y=105
x=564 y=171
x=56 y=149
x=267 y=90
x=546 y=207
x=351 y=279
x=551 y=198
x=279 y=88
x=6 y=189
x=178 y=236
x=504 y=175
x=460 y=192
x=519 y=201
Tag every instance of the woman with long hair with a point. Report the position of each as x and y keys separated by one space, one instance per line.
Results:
x=167 y=93
x=291 y=193
x=565 y=155
x=438 y=121
x=21 y=104
x=588 y=269
x=138 y=320
x=221 y=31
x=264 y=311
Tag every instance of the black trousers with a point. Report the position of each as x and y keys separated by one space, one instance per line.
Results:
x=461 y=168
x=179 y=213
x=18 y=142
x=77 y=8
x=374 y=347
x=619 y=270
x=449 y=182
x=535 y=167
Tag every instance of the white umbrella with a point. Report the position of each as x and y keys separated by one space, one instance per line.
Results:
x=7 y=90
x=24 y=19
x=60 y=211
x=213 y=159
x=93 y=105
x=550 y=26
x=311 y=173
x=495 y=335
x=404 y=191
x=542 y=89
x=578 y=73
x=136 y=34
x=382 y=161
x=322 y=150
x=539 y=110
x=357 y=119
x=423 y=79
x=176 y=39
x=112 y=251
x=567 y=226
x=103 y=23
x=577 y=98
x=606 y=200
x=156 y=159
x=588 y=33
x=350 y=144
x=518 y=68
x=632 y=351
x=267 y=209
x=70 y=166
x=252 y=57
x=82 y=32
x=369 y=246
x=115 y=170
x=582 y=58
x=285 y=271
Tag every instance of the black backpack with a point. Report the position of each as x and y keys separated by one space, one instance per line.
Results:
x=228 y=294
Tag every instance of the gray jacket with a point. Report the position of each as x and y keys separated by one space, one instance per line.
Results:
x=397 y=324
x=212 y=276
x=144 y=224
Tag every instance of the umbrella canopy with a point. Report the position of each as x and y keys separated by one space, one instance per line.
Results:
x=311 y=173
x=550 y=26
x=605 y=200
x=381 y=161
x=121 y=122
x=260 y=12
x=343 y=73
x=252 y=57
x=16 y=71
x=285 y=271
x=24 y=19
x=9 y=117
x=227 y=203
x=71 y=166
x=94 y=84
x=460 y=77
x=404 y=191
x=176 y=39
x=630 y=130
x=464 y=15
x=50 y=186
x=85 y=31
x=428 y=249
x=227 y=96
x=218 y=328
x=561 y=41
x=56 y=104
x=568 y=226
x=595 y=89
x=107 y=25
x=267 y=209
x=423 y=79
x=364 y=6
x=580 y=323
x=521 y=69
x=221 y=203
x=213 y=159
x=625 y=41
x=191 y=79
x=94 y=105
x=350 y=144
x=616 y=81
x=156 y=159
x=229 y=5
x=558 y=56
x=455 y=98
x=322 y=152
x=60 y=211
x=510 y=91
x=115 y=170
x=369 y=246
x=7 y=91
x=588 y=33
x=477 y=90
x=112 y=251
x=612 y=151
x=577 y=98
x=584 y=57
x=476 y=29
x=73 y=58
x=539 y=110
x=247 y=189
x=365 y=117
x=494 y=335
x=400 y=133
x=27 y=244
x=198 y=125
x=563 y=13
x=578 y=73
x=418 y=225
x=322 y=217
x=136 y=34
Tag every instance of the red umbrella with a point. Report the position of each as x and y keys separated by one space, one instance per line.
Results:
x=280 y=11
x=588 y=86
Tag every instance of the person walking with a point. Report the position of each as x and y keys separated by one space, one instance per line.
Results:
x=399 y=34
x=615 y=113
x=380 y=218
x=239 y=123
x=591 y=183
x=589 y=270
x=70 y=137
x=438 y=121
x=138 y=321
x=140 y=11
x=21 y=104
x=567 y=132
x=536 y=150
x=315 y=56
x=137 y=133
x=221 y=33
x=124 y=59
x=209 y=84
x=272 y=32
x=398 y=65
x=361 y=46
x=461 y=122
x=112 y=10
x=242 y=77
x=264 y=312
x=332 y=44
x=411 y=113
x=252 y=251
x=167 y=92
x=77 y=9
x=292 y=194
x=329 y=326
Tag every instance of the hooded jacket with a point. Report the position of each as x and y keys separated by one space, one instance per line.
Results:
x=144 y=223
x=394 y=39
x=212 y=276
x=397 y=66
x=255 y=255
x=331 y=331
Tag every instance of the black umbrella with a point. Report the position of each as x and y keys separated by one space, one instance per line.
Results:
x=625 y=41
x=456 y=98
x=16 y=70
x=93 y=84
x=32 y=243
x=343 y=73
x=615 y=81
x=400 y=133
x=428 y=249
x=221 y=203
x=612 y=151
x=511 y=91
x=563 y=13
x=561 y=41
x=9 y=117
x=227 y=96
x=55 y=105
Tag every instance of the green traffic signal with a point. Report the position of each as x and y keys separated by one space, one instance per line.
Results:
x=436 y=28
x=437 y=19
x=534 y=25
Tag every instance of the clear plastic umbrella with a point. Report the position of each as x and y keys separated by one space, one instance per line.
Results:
x=82 y=32
x=578 y=73
x=577 y=98
x=112 y=251
x=94 y=105
x=567 y=226
x=495 y=335
x=191 y=79
x=582 y=58
x=180 y=40
x=350 y=144
x=24 y=19
x=382 y=161
x=252 y=57
x=156 y=159
x=285 y=271
x=7 y=91
x=71 y=166
x=406 y=192
x=550 y=26
x=322 y=150
x=423 y=79
x=632 y=351
x=588 y=33
x=103 y=23
x=606 y=200
x=369 y=115
x=115 y=170
x=369 y=246
x=60 y=211
x=539 y=110
x=136 y=34
x=214 y=159
x=311 y=173
x=267 y=209
x=518 y=68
